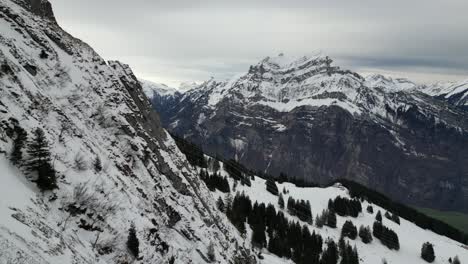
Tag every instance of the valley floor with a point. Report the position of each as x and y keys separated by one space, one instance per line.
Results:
x=455 y=219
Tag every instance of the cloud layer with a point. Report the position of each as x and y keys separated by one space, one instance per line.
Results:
x=174 y=41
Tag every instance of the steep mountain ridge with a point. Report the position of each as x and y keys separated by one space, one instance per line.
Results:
x=317 y=122
x=91 y=110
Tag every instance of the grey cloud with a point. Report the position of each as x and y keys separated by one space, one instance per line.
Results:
x=193 y=40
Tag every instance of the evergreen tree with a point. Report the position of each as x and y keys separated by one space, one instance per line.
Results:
x=40 y=161
x=214 y=164
x=388 y=215
x=43 y=55
x=321 y=219
x=354 y=259
x=228 y=202
x=331 y=219
x=220 y=204
x=370 y=209
x=345 y=207
x=456 y=260
x=387 y=236
x=133 y=244
x=427 y=252
x=365 y=234
x=395 y=218
x=349 y=255
x=281 y=201
x=258 y=235
x=271 y=186
x=342 y=246
x=349 y=230
x=290 y=206
x=19 y=141
x=330 y=255
x=97 y=165
x=378 y=217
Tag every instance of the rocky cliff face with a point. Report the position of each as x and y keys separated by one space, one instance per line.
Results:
x=93 y=110
x=317 y=122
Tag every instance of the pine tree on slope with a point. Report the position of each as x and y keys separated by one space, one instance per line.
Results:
x=330 y=255
x=19 y=141
x=349 y=230
x=40 y=161
x=133 y=243
x=281 y=201
x=365 y=234
x=378 y=216
x=427 y=252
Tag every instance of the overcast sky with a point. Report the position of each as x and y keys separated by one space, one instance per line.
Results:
x=176 y=41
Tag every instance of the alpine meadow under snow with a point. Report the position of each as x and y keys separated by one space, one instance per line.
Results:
x=88 y=173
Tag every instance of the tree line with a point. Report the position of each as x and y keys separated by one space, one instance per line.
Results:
x=194 y=153
x=215 y=181
x=345 y=207
x=360 y=191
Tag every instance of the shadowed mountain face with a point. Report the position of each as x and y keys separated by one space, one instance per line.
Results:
x=317 y=122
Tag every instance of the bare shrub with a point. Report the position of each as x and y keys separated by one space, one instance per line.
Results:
x=103 y=117
x=93 y=199
x=211 y=252
x=81 y=164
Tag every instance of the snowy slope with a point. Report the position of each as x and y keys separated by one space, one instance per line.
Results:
x=411 y=237
x=89 y=108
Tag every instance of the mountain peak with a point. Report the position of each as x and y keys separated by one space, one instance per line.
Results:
x=186 y=86
x=151 y=88
x=389 y=83
x=41 y=8
x=282 y=62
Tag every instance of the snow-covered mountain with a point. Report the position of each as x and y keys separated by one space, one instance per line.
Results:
x=115 y=165
x=317 y=122
x=455 y=93
x=187 y=86
x=393 y=84
x=152 y=89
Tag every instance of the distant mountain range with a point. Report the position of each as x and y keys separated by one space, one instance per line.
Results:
x=316 y=122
